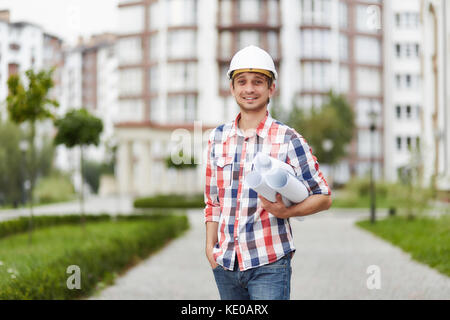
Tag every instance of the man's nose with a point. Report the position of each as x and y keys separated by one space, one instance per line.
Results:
x=249 y=88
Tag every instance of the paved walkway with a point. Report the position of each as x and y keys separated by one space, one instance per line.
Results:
x=330 y=263
x=93 y=205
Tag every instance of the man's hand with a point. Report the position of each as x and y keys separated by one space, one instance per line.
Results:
x=278 y=209
x=209 y=255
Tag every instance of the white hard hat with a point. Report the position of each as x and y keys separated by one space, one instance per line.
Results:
x=254 y=59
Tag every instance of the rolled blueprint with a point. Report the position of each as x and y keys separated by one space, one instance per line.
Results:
x=256 y=181
x=263 y=163
x=286 y=184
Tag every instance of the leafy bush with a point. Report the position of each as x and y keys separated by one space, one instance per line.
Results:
x=171 y=201
x=93 y=170
x=102 y=248
x=14 y=226
x=55 y=188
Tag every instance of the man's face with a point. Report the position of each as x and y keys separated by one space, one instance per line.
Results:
x=251 y=90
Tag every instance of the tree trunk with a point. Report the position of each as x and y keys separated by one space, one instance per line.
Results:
x=32 y=177
x=82 y=188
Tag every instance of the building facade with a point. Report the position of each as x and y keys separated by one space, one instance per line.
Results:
x=403 y=82
x=174 y=54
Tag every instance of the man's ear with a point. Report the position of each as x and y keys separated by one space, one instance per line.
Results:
x=231 y=88
x=272 y=90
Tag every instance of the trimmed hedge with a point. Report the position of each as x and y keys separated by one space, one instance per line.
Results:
x=10 y=227
x=38 y=271
x=171 y=201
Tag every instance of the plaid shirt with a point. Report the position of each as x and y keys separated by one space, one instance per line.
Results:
x=245 y=229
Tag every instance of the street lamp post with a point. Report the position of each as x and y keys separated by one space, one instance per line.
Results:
x=373 y=117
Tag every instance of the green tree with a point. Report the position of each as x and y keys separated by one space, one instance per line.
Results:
x=79 y=128
x=28 y=104
x=11 y=164
x=328 y=129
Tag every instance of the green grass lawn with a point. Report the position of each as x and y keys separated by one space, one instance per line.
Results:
x=38 y=271
x=426 y=239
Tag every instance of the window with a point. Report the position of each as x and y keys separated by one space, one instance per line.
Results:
x=343 y=15
x=408 y=143
x=131 y=110
x=315 y=43
x=363 y=108
x=344 y=79
x=343 y=47
x=408 y=112
x=398 y=81
x=130 y=50
x=181 y=12
x=316 y=12
x=365 y=140
x=368 y=81
x=154 y=78
x=225 y=12
x=155 y=109
x=224 y=81
x=181 y=108
x=154 y=47
x=273 y=12
x=130 y=81
x=182 y=76
x=399 y=143
x=247 y=38
x=225 y=45
x=407 y=20
x=398 y=110
x=397 y=50
x=250 y=11
x=407 y=81
x=155 y=20
x=316 y=76
x=182 y=44
x=272 y=41
x=131 y=19
x=367 y=50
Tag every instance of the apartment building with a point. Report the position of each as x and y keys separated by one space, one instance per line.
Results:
x=90 y=80
x=403 y=83
x=174 y=54
x=173 y=57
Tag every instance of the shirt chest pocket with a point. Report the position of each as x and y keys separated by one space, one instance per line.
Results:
x=224 y=172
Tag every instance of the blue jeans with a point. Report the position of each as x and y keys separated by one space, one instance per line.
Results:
x=268 y=282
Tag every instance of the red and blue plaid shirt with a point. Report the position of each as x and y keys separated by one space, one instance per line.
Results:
x=246 y=230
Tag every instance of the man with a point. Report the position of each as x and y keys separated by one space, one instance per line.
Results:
x=249 y=241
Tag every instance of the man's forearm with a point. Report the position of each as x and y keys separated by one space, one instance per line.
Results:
x=211 y=234
x=311 y=205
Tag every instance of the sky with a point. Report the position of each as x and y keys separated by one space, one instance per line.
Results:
x=65 y=18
